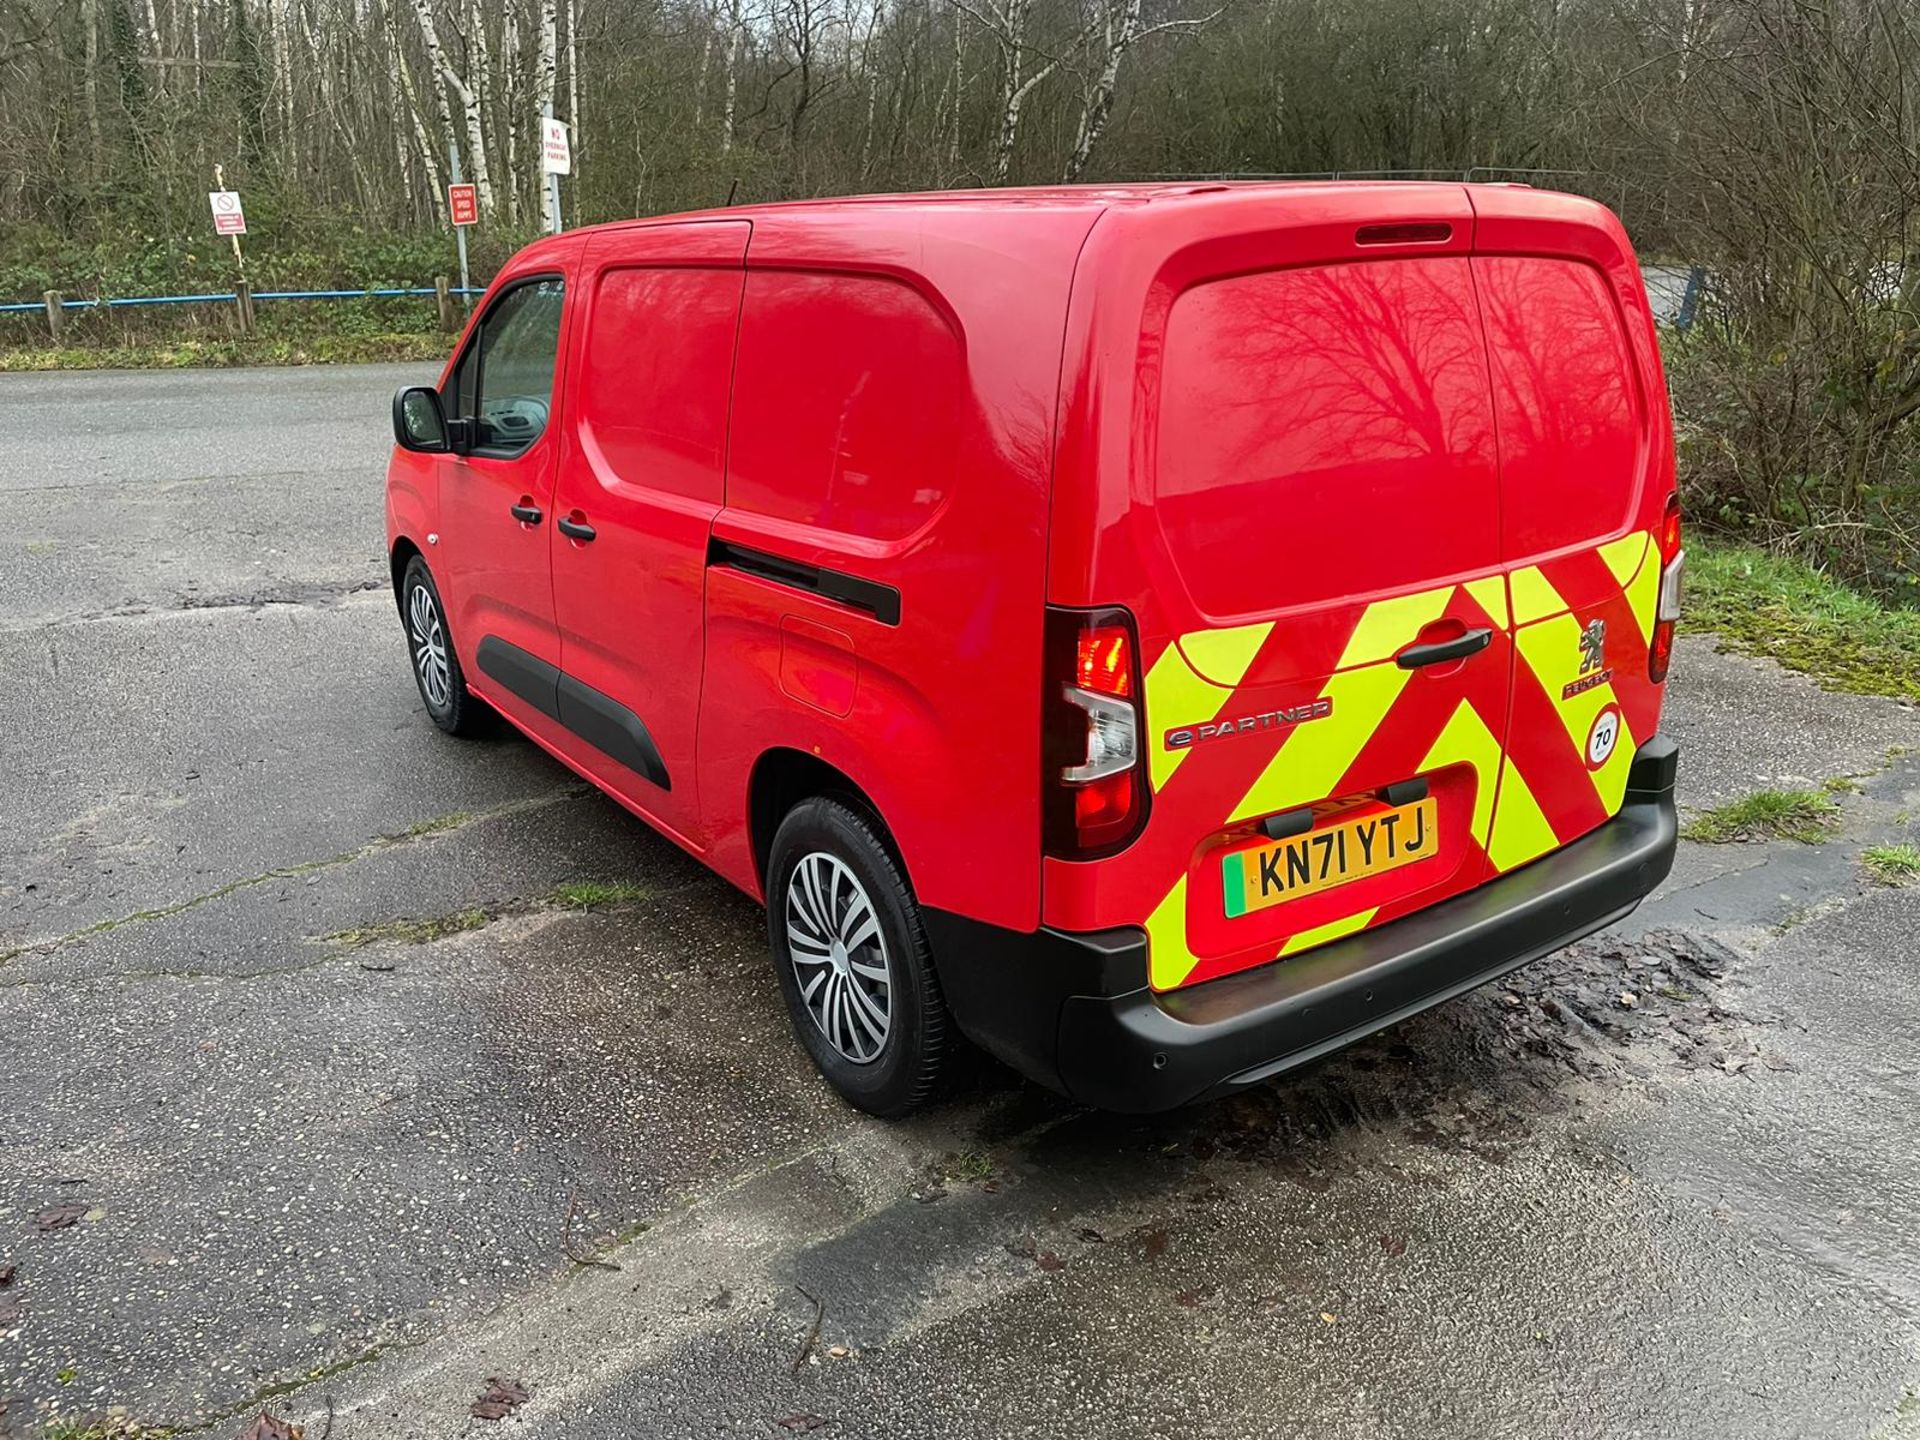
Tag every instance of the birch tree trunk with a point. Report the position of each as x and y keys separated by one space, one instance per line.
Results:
x=400 y=86
x=733 y=75
x=277 y=26
x=510 y=87
x=445 y=78
x=578 y=131
x=872 y=83
x=700 y=81
x=1097 y=106
x=90 y=20
x=480 y=77
x=543 y=85
x=959 y=76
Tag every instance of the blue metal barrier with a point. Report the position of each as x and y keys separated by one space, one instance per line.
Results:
x=22 y=307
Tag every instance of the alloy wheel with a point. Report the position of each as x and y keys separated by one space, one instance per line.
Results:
x=839 y=956
x=429 y=647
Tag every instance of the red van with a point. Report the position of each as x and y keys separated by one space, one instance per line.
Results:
x=1159 y=633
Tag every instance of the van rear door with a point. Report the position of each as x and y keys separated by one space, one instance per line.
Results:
x=1586 y=470
x=1319 y=586
x=1327 y=488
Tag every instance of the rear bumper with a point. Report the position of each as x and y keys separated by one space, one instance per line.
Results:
x=1075 y=1012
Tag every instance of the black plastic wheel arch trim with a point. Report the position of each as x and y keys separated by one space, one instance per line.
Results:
x=597 y=718
x=882 y=602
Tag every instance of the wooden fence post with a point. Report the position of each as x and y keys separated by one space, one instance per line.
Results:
x=243 y=306
x=444 y=301
x=56 y=314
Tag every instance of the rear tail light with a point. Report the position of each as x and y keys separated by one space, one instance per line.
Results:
x=1673 y=567
x=1094 y=792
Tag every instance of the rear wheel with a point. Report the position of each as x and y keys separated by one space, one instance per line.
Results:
x=853 y=959
x=436 y=668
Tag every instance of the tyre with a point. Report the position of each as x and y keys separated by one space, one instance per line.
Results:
x=853 y=959
x=436 y=668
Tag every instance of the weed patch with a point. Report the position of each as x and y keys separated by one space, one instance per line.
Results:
x=595 y=894
x=1892 y=864
x=410 y=931
x=1808 y=816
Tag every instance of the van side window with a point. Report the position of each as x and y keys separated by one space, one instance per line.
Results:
x=846 y=404
x=652 y=397
x=505 y=380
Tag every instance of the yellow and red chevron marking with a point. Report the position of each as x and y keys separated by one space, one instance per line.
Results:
x=1500 y=738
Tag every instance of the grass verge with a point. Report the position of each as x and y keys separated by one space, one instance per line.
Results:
x=257 y=350
x=1892 y=864
x=1808 y=816
x=1760 y=603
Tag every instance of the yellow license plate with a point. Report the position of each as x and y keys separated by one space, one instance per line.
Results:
x=1328 y=855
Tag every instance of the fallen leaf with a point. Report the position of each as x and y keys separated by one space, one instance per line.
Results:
x=58 y=1217
x=838 y=1352
x=1086 y=1233
x=500 y=1399
x=6 y=1274
x=267 y=1426
x=1153 y=1244
x=802 y=1422
x=1047 y=1260
x=1330 y=1319
x=1394 y=1245
x=1628 y=999
x=94 y=1215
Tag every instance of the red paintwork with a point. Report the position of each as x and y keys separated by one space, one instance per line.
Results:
x=996 y=400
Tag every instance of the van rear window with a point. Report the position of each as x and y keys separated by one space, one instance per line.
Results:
x=846 y=404
x=1570 y=417
x=1325 y=432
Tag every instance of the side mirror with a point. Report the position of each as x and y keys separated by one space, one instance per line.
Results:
x=419 y=422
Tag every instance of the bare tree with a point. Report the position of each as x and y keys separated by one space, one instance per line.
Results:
x=1118 y=38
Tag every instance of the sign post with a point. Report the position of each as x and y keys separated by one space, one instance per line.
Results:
x=230 y=220
x=462 y=201
x=556 y=159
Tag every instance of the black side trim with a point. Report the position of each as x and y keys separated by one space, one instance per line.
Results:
x=612 y=729
x=522 y=674
x=882 y=602
x=600 y=720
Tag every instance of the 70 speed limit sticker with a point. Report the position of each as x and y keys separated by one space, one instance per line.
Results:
x=1604 y=735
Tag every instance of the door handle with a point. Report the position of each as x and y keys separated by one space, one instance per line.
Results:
x=575 y=528
x=1438 y=652
x=527 y=514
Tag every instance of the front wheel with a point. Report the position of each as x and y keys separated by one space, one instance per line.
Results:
x=436 y=668
x=853 y=959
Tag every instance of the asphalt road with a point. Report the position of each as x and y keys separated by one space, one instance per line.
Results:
x=338 y=1166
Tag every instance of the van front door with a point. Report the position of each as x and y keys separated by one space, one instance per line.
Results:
x=492 y=559
x=643 y=472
